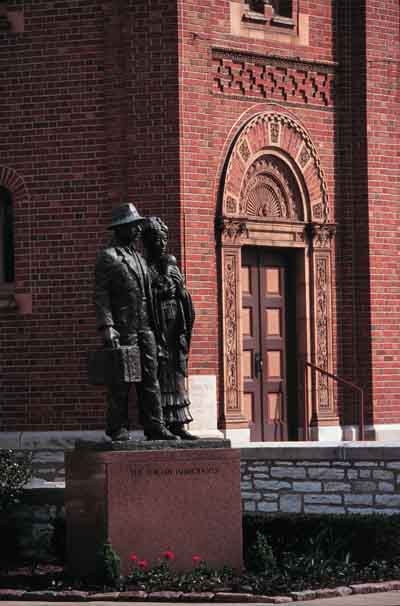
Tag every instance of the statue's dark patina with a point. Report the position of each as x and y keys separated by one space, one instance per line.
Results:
x=127 y=323
x=175 y=318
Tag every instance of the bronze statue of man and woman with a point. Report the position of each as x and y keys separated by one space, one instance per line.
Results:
x=142 y=304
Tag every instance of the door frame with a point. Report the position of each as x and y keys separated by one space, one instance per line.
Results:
x=277 y=135
x=255 y=384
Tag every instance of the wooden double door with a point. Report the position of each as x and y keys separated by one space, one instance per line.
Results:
x=268 y=328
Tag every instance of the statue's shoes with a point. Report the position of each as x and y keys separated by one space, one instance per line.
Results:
x=161 y=434
x=122 y=435
x=183 y=434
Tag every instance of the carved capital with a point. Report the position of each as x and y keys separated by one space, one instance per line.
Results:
x=320 y=235
x=232 y=231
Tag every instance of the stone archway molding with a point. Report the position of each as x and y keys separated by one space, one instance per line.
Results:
x=275 y=131
x=274 y=193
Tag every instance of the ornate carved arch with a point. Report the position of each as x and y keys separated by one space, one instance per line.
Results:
x=10 y=179
x=267 y=134
x=275 y=194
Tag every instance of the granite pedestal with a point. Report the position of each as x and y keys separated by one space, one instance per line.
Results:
x=146 y=500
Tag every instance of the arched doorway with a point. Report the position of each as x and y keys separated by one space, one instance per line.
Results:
x=276 y=258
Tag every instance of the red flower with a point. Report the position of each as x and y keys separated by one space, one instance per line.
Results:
x=133 y=557
x=196 y=559
x=143 y=564
x=168 y=555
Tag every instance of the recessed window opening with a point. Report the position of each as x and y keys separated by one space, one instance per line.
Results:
x=257 y=6
x=7 y=272
x=283 y=8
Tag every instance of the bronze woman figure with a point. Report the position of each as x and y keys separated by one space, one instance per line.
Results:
x=175 y=317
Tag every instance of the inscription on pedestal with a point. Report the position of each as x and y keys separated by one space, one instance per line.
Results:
x=187 y=500
x=136 y=472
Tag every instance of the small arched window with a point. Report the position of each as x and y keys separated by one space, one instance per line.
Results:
x=7 y=272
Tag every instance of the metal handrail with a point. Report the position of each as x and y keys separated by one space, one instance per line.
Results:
x=339 y=380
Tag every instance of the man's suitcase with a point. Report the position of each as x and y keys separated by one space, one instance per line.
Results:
x=119 y=365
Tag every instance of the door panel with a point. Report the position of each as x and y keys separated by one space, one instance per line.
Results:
x=273 y=269
x=251 y=340
x=265 y=343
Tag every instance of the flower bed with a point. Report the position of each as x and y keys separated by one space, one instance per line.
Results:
x=284 y=556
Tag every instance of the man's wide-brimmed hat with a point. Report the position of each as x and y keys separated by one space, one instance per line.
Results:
x=126 y=213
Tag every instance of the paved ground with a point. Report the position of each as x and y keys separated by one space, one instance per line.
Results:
x=391 y=598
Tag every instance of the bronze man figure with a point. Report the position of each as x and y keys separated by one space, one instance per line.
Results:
x=175 y=317
x=124 y=313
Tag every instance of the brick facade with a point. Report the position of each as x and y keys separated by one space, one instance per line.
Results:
x=147 y=100
x=382 y=105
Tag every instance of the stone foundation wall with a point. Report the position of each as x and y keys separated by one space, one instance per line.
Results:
x=290 y=477
x=309 y=478
x=315 y=478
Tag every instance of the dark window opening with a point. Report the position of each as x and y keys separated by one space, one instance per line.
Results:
x=257 y=6
x=7 y=273
x=283 y=8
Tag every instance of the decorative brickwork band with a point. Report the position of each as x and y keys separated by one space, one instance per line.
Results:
x=266 y=78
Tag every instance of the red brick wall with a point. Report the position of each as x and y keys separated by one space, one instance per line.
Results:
x=103 y=100
x=52 y=135
x=368 y=193
x=210 y=122
x=89 y=113
x=383 y=141
x=153 y=129
x=353 y=314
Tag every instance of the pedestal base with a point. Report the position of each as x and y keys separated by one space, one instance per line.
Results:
x=145 y=502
